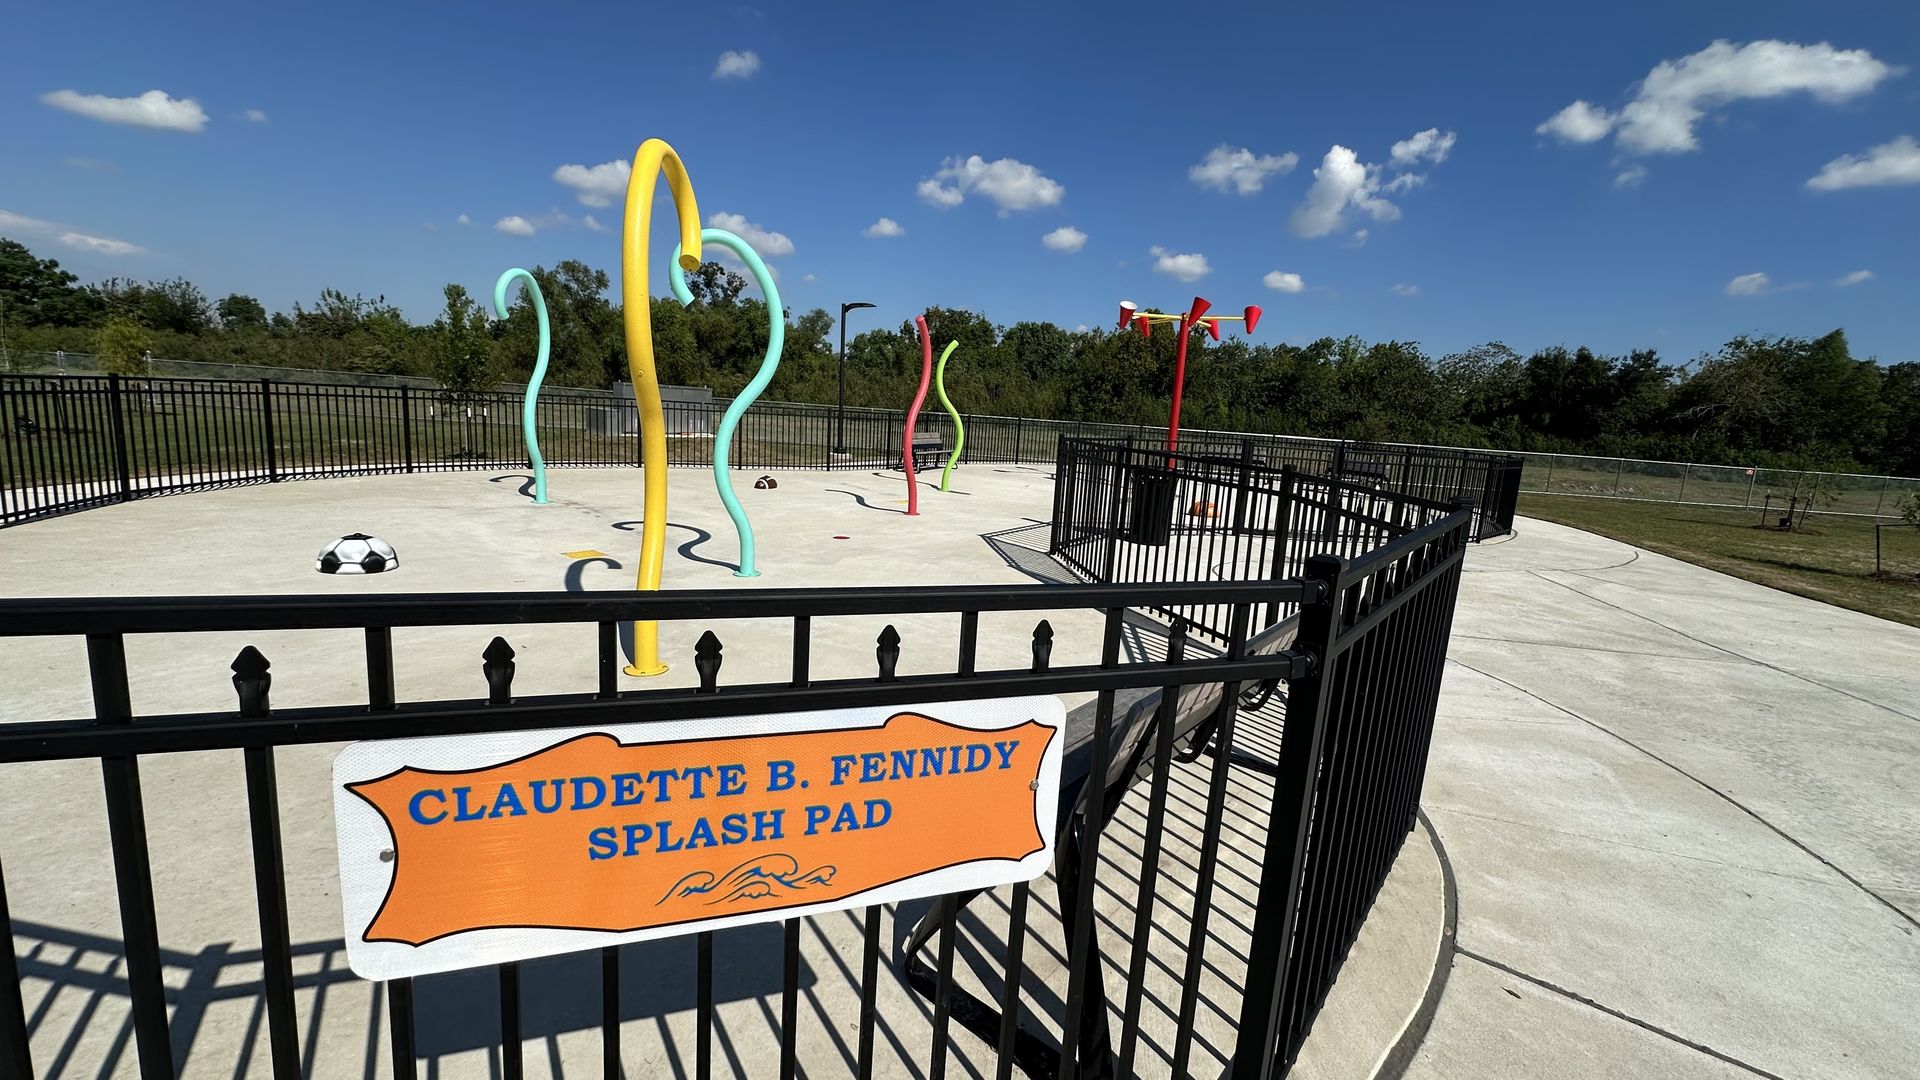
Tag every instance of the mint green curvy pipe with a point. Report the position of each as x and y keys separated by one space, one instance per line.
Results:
x=959 y=429
x=527 y=405
x=776 y=339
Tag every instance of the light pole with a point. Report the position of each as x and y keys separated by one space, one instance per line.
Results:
x=840 y=416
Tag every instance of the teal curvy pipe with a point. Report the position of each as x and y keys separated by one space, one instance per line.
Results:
x=959 y=429
x=776 y=339
x=527 y=405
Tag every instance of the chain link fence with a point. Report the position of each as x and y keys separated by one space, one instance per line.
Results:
x=1693 y=484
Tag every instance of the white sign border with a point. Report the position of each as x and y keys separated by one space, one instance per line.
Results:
x=363 y=834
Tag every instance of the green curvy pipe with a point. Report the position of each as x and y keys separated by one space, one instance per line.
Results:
x=959 y=429
x=776 y=339
x=539 y=370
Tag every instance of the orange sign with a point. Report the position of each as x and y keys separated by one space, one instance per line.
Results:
x=603 y=833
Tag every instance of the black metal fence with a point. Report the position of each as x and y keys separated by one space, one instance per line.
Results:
x=1342 y=590
x=1130 y=514
x=72 y=442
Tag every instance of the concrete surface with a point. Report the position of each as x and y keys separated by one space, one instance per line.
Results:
x=475 y=531
x=1684 y=815
x=1681 y=809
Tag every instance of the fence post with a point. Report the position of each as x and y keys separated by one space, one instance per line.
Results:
x=1019 y=443
x=1879 y=504
x=1548 y=486
x=1244 y=490
x=266 y=429
x=1618 y=471
x=1753 y=477
x=1685 y=471
x=406 y=427
x=1259 y=1053
x=1282 y=532
x=122 y=469
x=1118 y=494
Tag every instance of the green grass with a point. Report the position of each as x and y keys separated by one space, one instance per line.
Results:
x=1829 y=559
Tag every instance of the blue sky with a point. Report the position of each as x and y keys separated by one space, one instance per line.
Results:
x=1635 y=220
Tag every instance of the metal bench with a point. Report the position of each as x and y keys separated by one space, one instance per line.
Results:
x=927 y=454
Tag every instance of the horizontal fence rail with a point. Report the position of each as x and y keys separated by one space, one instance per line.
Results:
x=1131 y=514
x=72 y=442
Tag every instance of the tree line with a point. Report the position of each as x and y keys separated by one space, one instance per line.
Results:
x=1787 y=402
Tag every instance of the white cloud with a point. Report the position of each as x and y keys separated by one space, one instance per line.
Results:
x=1281 y=281
x=1064 y=238
x=1897 y=162
x=256 y=116
x=736 y=65
x=770 y=244
x=1404 y=289
x=808 y=278
x=1580 y=122
x=21 y=225
x=1428 y=145
x=1240 y=168
x=154 y=109
x=1343 y=182
x=592 y=225
x=99 y=245
x=1340 y=182
x=1012 y=185
x=464 y=219
x=1190 y=267
x=1676 y=94
x=940 y=195
x=1631 y=176
x=1749 y=285
x=886 y=226
x=514 y=225
x=1855 y=278
x=596 y=185
x=1359 y=238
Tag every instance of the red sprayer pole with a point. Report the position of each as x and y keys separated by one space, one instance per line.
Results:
x=1179 y=380
x=913 y=413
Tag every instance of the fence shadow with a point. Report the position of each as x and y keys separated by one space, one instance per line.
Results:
x=1024 y=548
x=454 y=1013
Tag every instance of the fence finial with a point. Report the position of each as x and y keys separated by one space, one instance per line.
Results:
x=706 y=661
x=252 y=681
x=887 y=652
x=499 y=671
x=1042 y=646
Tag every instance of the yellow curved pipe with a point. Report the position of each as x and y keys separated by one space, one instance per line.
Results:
x=653 y=158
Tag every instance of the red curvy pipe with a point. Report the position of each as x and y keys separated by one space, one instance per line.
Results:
x=913 y=413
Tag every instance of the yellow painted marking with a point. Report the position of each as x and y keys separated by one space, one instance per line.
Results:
x=585 y=553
